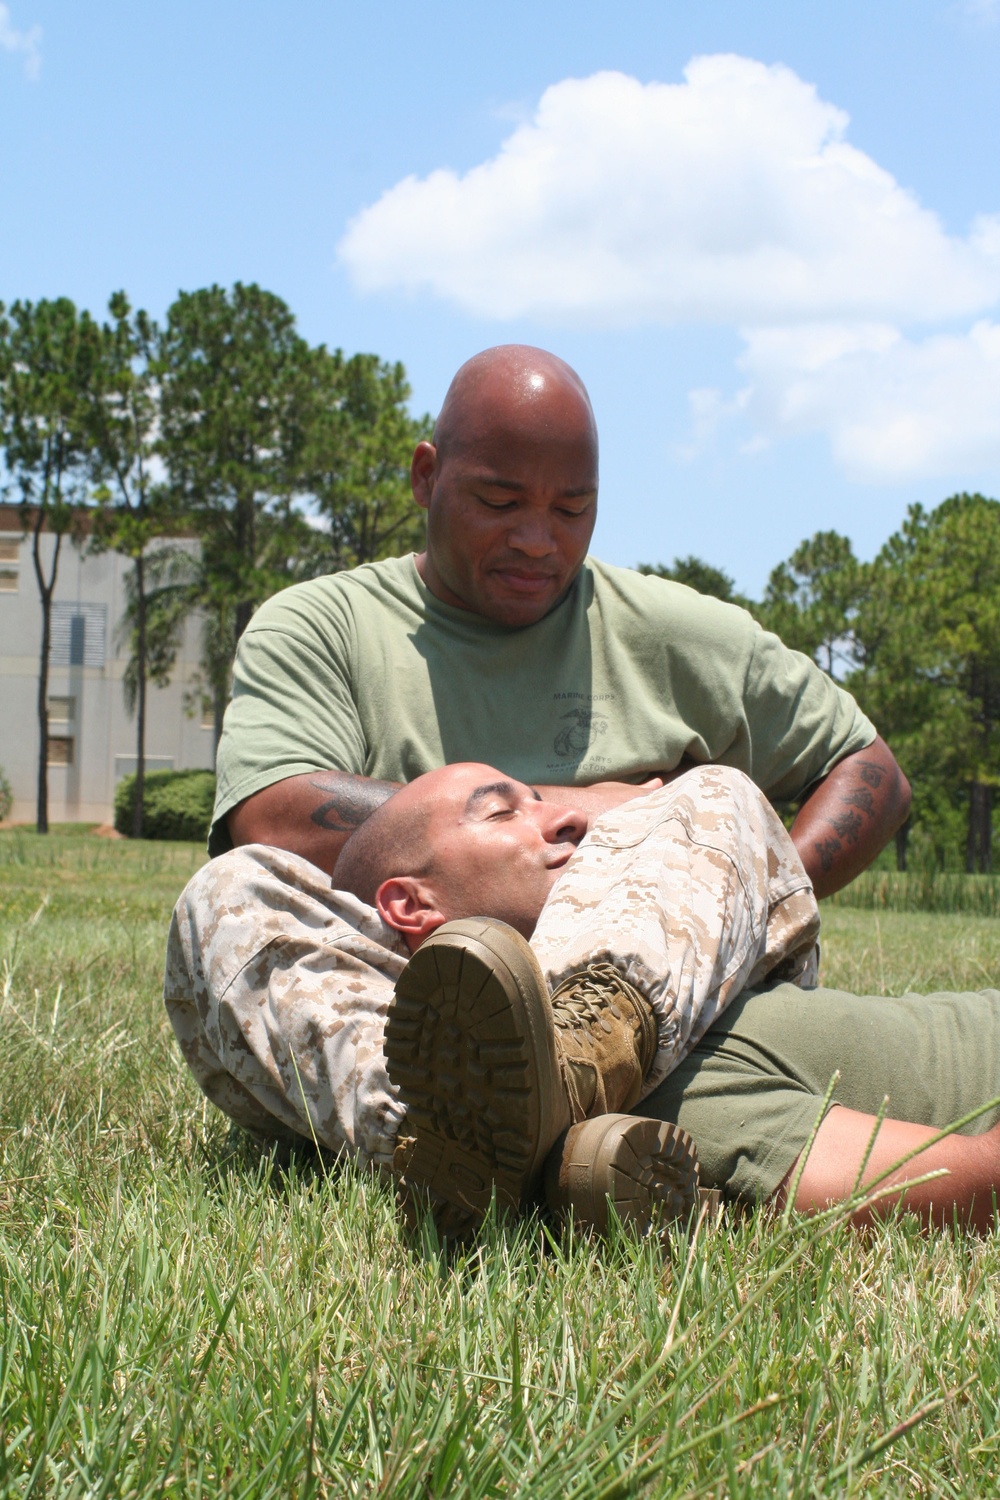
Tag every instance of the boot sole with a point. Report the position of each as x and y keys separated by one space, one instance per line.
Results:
x=648 y=1169
x=470 y=1045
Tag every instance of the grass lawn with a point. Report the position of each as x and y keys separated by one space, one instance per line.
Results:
x=180 y=1316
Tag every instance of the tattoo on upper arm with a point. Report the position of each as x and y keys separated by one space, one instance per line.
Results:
x=871 y=773
x=354 y=799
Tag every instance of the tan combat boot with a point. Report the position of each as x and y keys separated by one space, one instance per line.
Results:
x=606 y=1034
x=493 y=1075
x=470 y=1045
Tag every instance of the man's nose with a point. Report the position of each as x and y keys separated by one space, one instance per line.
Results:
x=566 y=825
x=532 y=535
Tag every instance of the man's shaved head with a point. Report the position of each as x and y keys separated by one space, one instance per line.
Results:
x=461 y=841
x=509 y=484
x=513 y=384
x=391 y=841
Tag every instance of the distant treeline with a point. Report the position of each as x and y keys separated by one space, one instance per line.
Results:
x=282 y=459
x=915 y=636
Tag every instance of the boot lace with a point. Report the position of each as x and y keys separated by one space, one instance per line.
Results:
x=588 y=996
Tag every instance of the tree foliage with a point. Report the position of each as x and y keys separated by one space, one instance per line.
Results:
x=238 y=392
x=48 y=354
x=357 y=461
x=929 y=639
x=698 y=575
x=811 y=600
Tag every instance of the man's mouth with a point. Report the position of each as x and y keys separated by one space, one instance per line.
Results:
x=521 y=582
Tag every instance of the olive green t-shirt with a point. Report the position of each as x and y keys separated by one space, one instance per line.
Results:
x=368 y=672
x=751 y=1089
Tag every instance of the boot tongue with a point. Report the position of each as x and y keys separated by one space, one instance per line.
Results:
x=584 y=1088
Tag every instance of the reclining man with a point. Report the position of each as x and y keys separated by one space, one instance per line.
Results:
x=684 y=901
x=675 y=904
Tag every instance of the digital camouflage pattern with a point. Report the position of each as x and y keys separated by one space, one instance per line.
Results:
x=695 y=893
x=278 y=986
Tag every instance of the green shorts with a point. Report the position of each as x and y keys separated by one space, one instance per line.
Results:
x=751 y=1089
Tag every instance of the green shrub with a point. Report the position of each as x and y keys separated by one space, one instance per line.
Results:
x=176 y=804
x=6 y=797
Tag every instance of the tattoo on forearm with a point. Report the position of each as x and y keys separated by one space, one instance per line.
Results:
x=848 y=825
x=354 y=799
x=827 y=849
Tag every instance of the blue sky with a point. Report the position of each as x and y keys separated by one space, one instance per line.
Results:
x=768 y=236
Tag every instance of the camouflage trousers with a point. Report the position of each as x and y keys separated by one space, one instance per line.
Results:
x=277 y=986
x=694 y=893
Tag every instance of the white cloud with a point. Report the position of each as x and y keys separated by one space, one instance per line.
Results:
x=732 y=197
x=893 y=408
x=28 y=42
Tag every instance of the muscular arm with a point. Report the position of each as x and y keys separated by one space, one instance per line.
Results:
x=850 y=816
x=313 y=815
x=971 y=1161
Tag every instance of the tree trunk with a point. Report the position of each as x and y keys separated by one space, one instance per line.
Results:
x=42 y=797
x=140 y=697
x=218 y=712
x=246 y=544
x=978 y=842
x=243 y=615
x=46 y=588
x=902 y=843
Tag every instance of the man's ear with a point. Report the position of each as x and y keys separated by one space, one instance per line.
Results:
x=407 y=905
x=422 y=470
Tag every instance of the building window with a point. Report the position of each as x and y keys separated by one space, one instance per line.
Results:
x=60 y=749
x=79 y=633
x=62 y=710
x=10 y=571
x=77 y=639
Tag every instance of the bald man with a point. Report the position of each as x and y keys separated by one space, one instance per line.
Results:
x=503 y=643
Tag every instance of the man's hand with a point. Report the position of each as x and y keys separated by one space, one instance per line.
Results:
x=601 y=797
x=851 y=816
x=313 y=815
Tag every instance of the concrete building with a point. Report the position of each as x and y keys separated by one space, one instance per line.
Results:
x=91 y=737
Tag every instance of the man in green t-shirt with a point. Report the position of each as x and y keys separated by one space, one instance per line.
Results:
x=500 y=642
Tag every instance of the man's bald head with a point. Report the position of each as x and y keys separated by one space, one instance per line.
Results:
x=393 y=840
x=512 y=385
x=509 y=484
x=464 y=840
